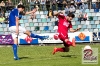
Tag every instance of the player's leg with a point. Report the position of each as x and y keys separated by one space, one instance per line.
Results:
x=64 y=37
x=15 y=39
x=22 y=29
x=63 y=49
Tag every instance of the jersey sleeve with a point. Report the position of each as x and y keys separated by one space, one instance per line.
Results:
x=70 y=26
x=16 y=13
x=61 y=16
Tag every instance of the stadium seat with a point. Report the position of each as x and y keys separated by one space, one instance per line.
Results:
x=98 y=14
x=93 y=14
x=83 y=22
x=91 y=22
x=73 y=23
x=45 y=12
x=28 y=28
x=96 y=10
x=53 y=19
x=25 y=17
x=77 y=11
x=76 y=19
x=89 y=14
x=32 y=28
x=90 y=18
x=49 y=24
x=31 y=24
x=46 y=28
x=21 y=21
x=86 y=30
x=38 y=16
x=34 y=20
x=30 y=20
x=75 y=26
x=1 y=33
x=35 y=24
x=43 y=16
x=41 y=12
x=41 y=28
x=23 y=25
x=1 y=29
x=95 y=30
x=44 y=20
x=96 y=22
x=48 y=19
x=51 y=27
x=93 y=26
x=4 y=25
x=98 y=26
x=87 y=22
x=90 y=30
x=77 y=23
x=40 y=24
x=91 y=10
x=26 y=24
x=99 y=18
x=37 y=12
x=25 y=20
x=95 y=18
x=87 y=10
x=38 y=20
x=44 y=24
x=88 y=26
x=5 y=29
x=37 y=28
x=84 y=26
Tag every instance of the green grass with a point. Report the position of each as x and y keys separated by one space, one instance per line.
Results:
x=42 y=56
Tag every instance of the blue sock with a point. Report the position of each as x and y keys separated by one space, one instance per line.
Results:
x=15 y=50
x=36 y=36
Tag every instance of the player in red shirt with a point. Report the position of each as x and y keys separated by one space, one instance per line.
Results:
x=64 y=24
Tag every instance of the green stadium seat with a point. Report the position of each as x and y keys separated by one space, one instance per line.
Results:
x=37 y=28
x=31 y=24
x=21 y=21
x=90 y=18
x=44 y=20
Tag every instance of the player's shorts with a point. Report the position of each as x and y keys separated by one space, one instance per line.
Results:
x=63 y=36
x=12 y=29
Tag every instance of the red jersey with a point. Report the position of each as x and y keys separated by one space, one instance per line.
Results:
x=63 y=24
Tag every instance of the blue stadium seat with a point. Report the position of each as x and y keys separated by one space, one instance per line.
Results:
x=89 y=14
x=46 y=28
x=94 y=26
x=76 y=19
x=96 y=10
x=4 y=25
x=45 y=12
x=51 y=28
x=91 y=30
x=87 y=10
x=31 y=24
x=91 y=22
x=48 y=19
x=95 y=18
x=39 y=20
x=98 y=26
x=23 y=25
x=84 y=26
x=38 y=16
x=75 y=26
x=77 y=23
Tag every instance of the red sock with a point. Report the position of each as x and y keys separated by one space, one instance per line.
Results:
x=60 y=50
x=69 y=43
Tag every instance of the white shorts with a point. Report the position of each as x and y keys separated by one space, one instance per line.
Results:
x=12 y=29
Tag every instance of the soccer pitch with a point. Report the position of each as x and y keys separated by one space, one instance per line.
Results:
x=42 y=56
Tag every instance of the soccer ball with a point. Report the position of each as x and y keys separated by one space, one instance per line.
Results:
x=56 y=37
x=87 y=47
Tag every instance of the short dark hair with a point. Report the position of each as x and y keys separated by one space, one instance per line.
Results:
x=71 y=15
x=21 y=6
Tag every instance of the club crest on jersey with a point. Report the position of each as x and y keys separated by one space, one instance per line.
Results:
x=66 y=24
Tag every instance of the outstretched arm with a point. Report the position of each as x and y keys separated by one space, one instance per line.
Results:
x=74 y=30
x=33 y=11
x=56 y=14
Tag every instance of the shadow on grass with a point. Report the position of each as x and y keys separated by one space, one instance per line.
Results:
x=73 y=56
x=25 y=58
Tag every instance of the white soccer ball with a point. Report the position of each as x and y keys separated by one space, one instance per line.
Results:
x=87 y=47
